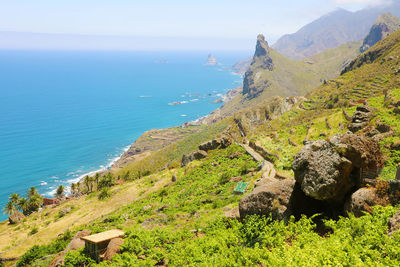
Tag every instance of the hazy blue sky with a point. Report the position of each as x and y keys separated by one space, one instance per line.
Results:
x=183 y=18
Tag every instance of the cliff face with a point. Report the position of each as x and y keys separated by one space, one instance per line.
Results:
x=261 y=60
x=385 y=25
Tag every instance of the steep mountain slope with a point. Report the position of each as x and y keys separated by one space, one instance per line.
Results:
x=336 y=28
x=271 y=74
x=385 y=25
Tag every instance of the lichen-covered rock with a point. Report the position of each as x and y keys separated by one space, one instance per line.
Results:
x=361 y=201
x=322 y=172
x=328 y=169
x=187 y=158
x=272 y=198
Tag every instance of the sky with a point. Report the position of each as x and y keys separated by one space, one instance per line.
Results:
x=218 y=19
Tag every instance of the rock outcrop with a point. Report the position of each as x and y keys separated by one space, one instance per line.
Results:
x=222 y=142
x=271 y=198
x=360 y=118
x=187 y=158
x=329 y=170
x=114 y=247
x=385 y=25
x=261 y=60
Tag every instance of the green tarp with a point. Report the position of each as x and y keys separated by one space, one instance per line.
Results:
x=241 y=187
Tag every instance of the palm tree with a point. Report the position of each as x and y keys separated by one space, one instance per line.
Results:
x=14 y=198
x=35 y=202
x=32 y=192
x=23 y=204
x=96 y=179
x=86 y=180
x=73 y=188
x=60 y=191
x=10 y=208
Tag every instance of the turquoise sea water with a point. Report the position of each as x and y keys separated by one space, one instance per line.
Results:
x=64 y=114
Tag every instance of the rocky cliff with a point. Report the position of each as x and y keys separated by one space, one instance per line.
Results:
x=261 y=60
x=385 y=25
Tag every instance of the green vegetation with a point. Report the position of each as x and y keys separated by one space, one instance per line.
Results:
x=178 y=214
x=27 y=205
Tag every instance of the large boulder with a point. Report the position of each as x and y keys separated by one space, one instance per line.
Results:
x=361 y=201
x=329 y=169
x=187 y=158
x=272 y=198
x=222 y=142
x=114 y=247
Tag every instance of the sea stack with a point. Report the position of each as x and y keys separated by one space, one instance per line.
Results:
x=212 y=61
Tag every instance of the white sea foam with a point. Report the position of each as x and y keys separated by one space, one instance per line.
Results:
x=145 y=96
x=43 y=183
x=194 y=100
x=183 y=115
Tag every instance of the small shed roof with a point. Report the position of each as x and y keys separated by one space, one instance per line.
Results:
x=104 y=236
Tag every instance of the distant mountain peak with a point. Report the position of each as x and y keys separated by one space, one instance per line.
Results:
x=383 y=26
x=338 y=27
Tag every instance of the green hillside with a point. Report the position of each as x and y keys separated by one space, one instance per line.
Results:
x=175 y=215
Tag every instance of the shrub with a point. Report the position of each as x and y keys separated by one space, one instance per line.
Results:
x=77 y=258
x=34 y=230
x=104 y=193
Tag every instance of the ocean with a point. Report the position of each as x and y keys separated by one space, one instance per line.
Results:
x=64 y=114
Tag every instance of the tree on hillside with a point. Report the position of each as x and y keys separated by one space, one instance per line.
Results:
x=96 y=179
x=60 y=191
x=23 y=204
x=10 y=208
x=14 y=198
x=87 y=182
x=74 y=188
x=32 y=192
x=34 y=203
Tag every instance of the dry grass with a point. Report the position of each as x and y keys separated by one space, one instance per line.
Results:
x=15 y=239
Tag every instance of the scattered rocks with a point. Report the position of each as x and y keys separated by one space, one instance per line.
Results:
x=272 y=198
x=187 y=158
x=114 y=247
